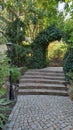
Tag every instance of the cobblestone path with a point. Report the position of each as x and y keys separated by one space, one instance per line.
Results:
x=41 y=112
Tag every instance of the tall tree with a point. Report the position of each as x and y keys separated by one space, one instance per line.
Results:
x=37 y=14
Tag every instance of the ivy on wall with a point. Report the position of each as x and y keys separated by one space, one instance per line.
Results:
x=40 y=44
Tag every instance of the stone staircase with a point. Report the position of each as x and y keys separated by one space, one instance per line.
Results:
x=47 y=81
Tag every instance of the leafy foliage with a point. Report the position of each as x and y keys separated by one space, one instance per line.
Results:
x=56 y=52
x=2 y=91
x=68 y=65
x=48 y=35
x=15 y=31
x=15 y=74
x=3 y=108
x=18 y=17
x=36 y=14
x=30 y=17
x=3 y=40
x=70 y=76
x=40 y=45
x=21 y=55
x=4 y=70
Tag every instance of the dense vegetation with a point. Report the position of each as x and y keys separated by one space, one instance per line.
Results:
x=68 y=66
x=31 y=19
x=56 y=52
x=41 y=43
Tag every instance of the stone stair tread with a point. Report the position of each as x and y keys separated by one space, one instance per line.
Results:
x=45 y=73
x=43 y=81
x=42 y=77
x=41 y=70
x=53 y=68
x=39 y=80
x=47 y=81
x=41 y=84
x=43 y=91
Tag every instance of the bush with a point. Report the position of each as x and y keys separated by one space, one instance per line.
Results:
x=69 y=76
x=40 y=44
x=4 y=70
x=14 y=32
x=56 y=50
x=2 y=91
x=21 y=55
x=15 y=74
x=68 y=64
x=71 y=92
x=3 y=108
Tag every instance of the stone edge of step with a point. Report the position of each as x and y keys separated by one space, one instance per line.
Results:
x=44 y=92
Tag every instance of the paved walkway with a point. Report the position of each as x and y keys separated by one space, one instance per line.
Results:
x=41 y=112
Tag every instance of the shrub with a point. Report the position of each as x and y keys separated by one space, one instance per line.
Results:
x=14 y=32
x=69 y=76
x=68 y=64
x=40 y=44
x=2 y=91
x=4 y=70
x=20 y=56
x=56 y=50
x=15 y=74
x=3 y=108
x=71 y=92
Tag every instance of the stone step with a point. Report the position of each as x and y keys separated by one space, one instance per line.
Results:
x=47 y=81
x=42 y=92
x=42 y=86
x=53 y=69
x=44 y=73
x=37 y=80
x=42 y=77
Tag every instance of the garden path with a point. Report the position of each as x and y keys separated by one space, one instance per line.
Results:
x=41 y=112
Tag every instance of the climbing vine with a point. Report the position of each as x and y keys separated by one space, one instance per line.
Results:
x=40 y=44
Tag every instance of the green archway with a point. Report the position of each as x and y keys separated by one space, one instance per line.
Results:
x=40 y=44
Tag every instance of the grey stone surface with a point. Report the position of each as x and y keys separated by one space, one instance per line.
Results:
x=47 y=81
x=41 y=112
